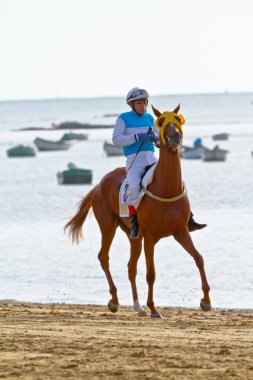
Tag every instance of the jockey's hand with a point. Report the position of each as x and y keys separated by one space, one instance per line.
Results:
x=157 y=142
x=154 y=137
x=145 y=137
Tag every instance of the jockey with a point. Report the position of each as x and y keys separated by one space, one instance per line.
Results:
x=135 y=131
x=131 y=131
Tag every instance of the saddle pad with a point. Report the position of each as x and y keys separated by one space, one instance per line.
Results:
x=124 y=193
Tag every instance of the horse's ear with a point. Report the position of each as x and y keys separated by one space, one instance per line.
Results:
x=177 y=109
x=156 y=112
x=160 y=123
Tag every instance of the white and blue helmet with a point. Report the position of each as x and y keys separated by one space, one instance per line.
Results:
x=136 y=93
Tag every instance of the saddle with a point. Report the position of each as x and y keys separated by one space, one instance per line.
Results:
x=146 y=179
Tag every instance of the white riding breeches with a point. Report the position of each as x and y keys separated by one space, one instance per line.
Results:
x=134 y=173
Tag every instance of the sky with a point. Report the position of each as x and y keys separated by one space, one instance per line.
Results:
x=95 y=48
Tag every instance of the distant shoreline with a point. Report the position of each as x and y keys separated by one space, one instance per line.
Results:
x=82 y=126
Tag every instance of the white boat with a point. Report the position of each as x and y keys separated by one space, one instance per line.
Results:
x=48 y=145
x=191 y=153
x=112 y=150
x=215 y=154
x=221 y=136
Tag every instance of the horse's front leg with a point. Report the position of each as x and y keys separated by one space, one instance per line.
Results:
x=136 y=246
x=149 y=246
x=184 y=238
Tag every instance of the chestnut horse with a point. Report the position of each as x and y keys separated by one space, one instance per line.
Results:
x=164 y=211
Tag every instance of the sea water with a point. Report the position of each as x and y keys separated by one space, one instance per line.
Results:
x=38 y=263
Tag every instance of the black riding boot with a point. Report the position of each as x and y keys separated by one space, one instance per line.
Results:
x=194 y=226
x=134 y=227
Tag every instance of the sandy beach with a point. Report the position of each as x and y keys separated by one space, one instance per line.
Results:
x=56 y=341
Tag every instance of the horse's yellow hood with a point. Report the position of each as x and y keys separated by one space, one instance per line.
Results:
x=169 y=117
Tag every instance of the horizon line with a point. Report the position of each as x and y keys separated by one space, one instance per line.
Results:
x=121 y=96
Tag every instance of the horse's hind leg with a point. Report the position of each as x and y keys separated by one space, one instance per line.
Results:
x=108 y=229
x=136 y=246
x=184 y=238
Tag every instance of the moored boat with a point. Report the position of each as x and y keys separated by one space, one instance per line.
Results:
x=220 y=136
x=48 y=145
x=21 y=151
x=74 y=136
x=215 y=154
x=192 y=153
x=112 y=150
x=74 y=176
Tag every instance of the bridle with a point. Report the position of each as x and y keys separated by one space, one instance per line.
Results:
x=174 y=139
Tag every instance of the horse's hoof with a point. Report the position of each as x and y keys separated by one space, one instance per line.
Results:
x=137 y=307
x=142 y=313
x=155 y=315
x=205 y=306
x=113 y=307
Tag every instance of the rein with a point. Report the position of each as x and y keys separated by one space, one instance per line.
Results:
x=149 y=132
x=147 y=192
x=136 y=154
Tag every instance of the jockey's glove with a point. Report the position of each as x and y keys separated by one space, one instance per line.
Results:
x=145 y=137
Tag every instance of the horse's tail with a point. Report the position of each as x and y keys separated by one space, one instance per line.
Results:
x=75 y=224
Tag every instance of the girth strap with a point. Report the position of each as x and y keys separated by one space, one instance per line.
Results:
x=164 y=199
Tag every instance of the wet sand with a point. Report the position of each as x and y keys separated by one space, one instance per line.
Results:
x=58 y=341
